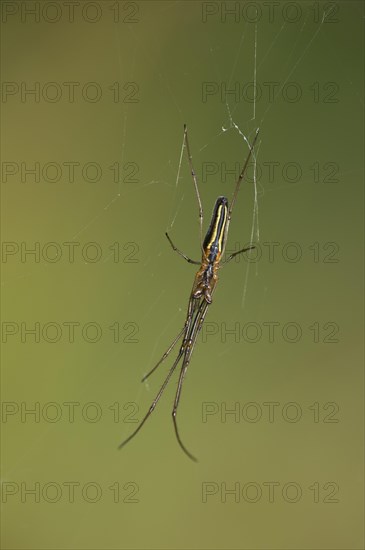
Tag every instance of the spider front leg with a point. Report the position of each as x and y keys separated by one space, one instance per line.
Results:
x=181 y=253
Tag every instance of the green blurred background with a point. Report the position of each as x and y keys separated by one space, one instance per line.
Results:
x=298 y=471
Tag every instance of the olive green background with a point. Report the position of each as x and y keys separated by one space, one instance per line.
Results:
x=166 y=53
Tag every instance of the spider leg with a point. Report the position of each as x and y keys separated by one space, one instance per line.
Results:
x=181 y=253
x=155 y=401
x=198 y=322
x=193 y=174
x=236 y=254
x=166 y=354
x=184 y=330
x=241 y=176
x=193 y=304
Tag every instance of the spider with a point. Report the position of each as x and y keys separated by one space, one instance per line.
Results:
x=201 y=294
